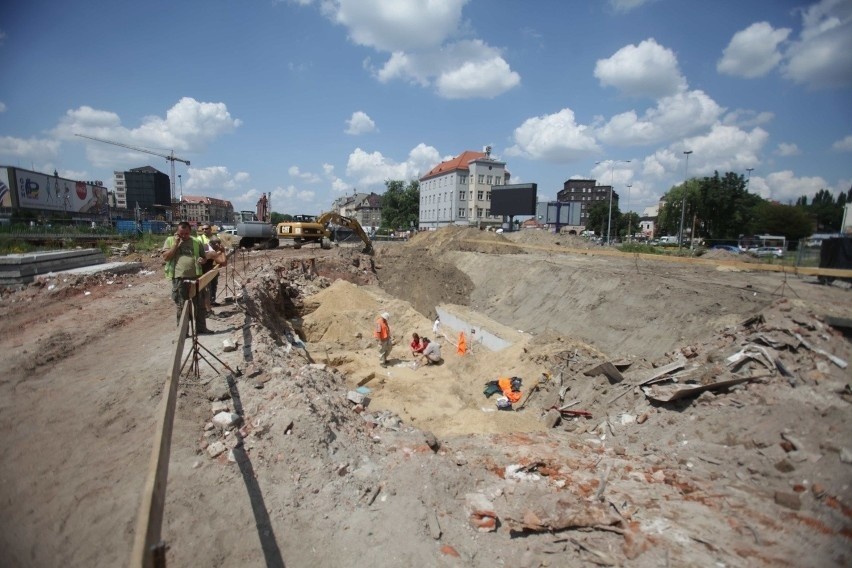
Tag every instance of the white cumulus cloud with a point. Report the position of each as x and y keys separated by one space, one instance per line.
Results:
x=822 y=55
x=785 y=187
x=554 y=137
x=371 y=169
x=753 y=52
x=844 y=145
x=786 y=149
x=464 y=69
x=188 y=126
x=399 y=25
x=674 y=117
x=647 y=69
x=360 y=123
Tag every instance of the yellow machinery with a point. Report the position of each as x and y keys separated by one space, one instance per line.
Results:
x=306 y=229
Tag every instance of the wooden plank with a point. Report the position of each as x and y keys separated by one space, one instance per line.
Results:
x=203 y=281
x=149 y=522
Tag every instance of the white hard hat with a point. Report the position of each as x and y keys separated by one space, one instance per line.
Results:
x=385 y=315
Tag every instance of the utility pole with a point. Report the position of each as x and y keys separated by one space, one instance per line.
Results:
x=629 y=216
x=683 y=201
x=611 y=181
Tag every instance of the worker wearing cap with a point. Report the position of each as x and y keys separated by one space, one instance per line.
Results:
x=383 y=337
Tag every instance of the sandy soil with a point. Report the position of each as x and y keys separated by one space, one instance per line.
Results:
x=427 y=472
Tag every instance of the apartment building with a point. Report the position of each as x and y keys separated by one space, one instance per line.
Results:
x=586 y=192
x=458 y=191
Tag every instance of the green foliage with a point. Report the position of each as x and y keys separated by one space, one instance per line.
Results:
x=401 y=204
x=627 y=222
x=640 y=248
x=788 y=220
x=598 y=214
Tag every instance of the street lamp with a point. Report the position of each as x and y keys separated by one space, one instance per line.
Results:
x=611 y=178
x=683 y=201
x=629 y=217
x=748 y=179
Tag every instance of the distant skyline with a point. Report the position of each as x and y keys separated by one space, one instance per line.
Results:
x=308 y=100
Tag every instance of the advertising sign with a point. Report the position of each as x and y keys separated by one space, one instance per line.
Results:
x=5 y=191
x=40 y=191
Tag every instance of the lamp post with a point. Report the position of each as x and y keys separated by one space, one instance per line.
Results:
x=748 y=179
x=629 y=217
x=611 y=179
x=683 y=201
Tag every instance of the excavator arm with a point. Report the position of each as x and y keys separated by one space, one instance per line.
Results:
x=349 y=223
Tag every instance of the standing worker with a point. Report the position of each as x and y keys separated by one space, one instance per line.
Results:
x=383 y=336
x=183 y=255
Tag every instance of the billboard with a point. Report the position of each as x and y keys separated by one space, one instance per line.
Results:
x=514 y=199
x=33 y=190
x=5 y=191
x=558 y=212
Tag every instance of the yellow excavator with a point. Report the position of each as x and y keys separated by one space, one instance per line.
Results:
x=304 y=229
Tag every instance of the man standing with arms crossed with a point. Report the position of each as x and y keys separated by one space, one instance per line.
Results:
x=383 y=336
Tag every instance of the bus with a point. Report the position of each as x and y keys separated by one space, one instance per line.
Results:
x=757 y=241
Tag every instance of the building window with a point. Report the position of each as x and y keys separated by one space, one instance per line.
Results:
x=489 y=180
x=488 y=212
x=461 y=196
x=479 y=195
x=481 y=178
x=478 y=212
x=488 y=195
x=461 y=212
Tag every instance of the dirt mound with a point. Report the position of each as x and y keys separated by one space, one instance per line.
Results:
x=455 y=238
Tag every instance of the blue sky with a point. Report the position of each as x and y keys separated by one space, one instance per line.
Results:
x=309 y=99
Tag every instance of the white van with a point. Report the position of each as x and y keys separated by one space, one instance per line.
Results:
x=668 y=240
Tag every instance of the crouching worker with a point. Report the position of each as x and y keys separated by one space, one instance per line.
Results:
x=431 y=353
x=417 y=345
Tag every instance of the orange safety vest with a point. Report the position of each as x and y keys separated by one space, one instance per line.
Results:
x=383 y=332
x=462 y=348
x=505 y=384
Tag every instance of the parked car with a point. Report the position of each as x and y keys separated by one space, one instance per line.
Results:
x=761 y=252
x=729 y=248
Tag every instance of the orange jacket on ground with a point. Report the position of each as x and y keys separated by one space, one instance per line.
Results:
x=382 y=330
x=505 y=384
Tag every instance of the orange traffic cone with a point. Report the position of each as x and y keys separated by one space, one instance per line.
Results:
x=462 y=348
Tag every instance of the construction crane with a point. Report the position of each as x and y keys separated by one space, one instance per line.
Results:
x=170 y=157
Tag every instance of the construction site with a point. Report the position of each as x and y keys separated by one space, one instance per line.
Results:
x=670 y=411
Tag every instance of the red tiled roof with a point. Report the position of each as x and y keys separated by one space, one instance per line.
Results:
x=460 y=162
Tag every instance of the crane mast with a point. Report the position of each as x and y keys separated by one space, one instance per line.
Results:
x=170 y=156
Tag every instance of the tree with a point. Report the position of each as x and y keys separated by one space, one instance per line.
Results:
x=827 y=213
x=401 y=204
x=628 y=222
x=776 y=219
x=278 y=217
x=725 y=208
x=596 y=217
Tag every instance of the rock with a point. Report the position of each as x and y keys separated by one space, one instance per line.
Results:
x=789 y=500
x=846 y=455
x=228 y=346
x=642 y=418
x=215 y=449
x=432 y=441
x=226 y=420
x=218 y=391
x=784 y=466
x=357 y=398
x=219 y=406
x=481 y=512
x=552 y=418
